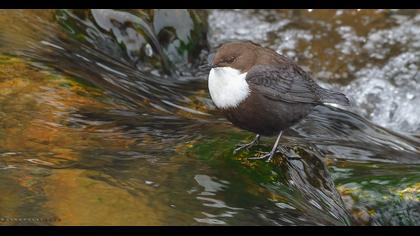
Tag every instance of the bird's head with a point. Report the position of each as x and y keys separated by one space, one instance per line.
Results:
x=236 y=55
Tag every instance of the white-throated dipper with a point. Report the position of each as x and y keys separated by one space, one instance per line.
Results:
x=262 y=91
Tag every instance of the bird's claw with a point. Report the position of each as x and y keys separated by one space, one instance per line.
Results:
x=269 y=156
x=246 y=146
x=241 y=147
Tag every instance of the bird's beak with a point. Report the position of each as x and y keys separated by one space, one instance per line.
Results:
x=207 y=66
x=210 y=65
x=210 y=58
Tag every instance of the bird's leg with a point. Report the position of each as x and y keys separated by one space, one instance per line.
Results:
x=248 y=145
x=269 y=155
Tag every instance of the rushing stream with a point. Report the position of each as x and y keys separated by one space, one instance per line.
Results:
x=105 y=119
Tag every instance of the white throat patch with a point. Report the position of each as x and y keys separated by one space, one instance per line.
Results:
x=228 y=87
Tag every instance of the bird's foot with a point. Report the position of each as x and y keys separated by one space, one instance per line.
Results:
x=246 y=146
x=241 y=147
x=269 y=156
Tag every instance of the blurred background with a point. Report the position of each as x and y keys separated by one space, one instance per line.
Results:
x=105 y=119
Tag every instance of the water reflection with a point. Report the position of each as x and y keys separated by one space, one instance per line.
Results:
x=211 y=187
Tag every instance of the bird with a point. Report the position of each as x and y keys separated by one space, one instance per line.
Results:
x=262 y=91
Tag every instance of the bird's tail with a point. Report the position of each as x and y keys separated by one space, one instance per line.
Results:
x=329 y=96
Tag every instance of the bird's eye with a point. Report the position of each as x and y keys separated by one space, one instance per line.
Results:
x=230 y=59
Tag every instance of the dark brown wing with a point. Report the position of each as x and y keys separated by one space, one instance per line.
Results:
x=289 y=83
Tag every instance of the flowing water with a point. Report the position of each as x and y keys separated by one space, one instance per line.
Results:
x=105 y=119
